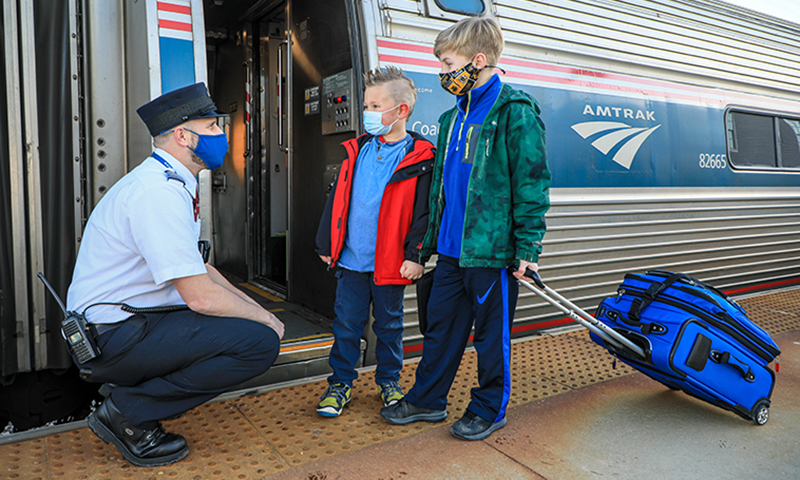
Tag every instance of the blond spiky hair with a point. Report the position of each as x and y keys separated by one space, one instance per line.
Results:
x=400 y=88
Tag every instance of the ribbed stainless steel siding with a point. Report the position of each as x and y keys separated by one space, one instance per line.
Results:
x=730 y=238
x=716 y=41
x=701 y=38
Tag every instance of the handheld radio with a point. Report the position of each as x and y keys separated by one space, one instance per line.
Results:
x=75 y=330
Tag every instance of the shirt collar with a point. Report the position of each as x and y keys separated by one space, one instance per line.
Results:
x=379 y=141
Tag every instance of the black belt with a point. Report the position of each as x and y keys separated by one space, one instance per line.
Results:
x=101 y=328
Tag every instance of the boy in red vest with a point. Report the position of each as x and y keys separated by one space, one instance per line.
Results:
x=372 y=229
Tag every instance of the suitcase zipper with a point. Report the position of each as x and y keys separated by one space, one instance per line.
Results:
x=732 y=320
x=756 y=345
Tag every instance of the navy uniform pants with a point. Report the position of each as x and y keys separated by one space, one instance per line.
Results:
x=165 y=364
x=461 y=297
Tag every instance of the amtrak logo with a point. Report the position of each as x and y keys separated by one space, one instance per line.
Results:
x=631 y=138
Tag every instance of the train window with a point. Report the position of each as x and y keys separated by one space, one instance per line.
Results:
x=462 y=7
x=789 y=131
x=751 y=140
x=761 y=140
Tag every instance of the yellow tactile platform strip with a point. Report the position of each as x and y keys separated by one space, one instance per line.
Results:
x=775 y=312
x=254 y=436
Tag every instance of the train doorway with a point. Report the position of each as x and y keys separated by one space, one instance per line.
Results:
x=288 y=73
x=285 y=73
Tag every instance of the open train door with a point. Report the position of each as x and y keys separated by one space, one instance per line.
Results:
x=325 y=90
x=288 y=72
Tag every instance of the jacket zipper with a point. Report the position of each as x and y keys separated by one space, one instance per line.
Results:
x=466 y=114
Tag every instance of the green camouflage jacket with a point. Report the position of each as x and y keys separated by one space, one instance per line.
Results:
x=509 y=187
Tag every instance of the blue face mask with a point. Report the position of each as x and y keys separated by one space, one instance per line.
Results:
x=373 y=124
x=211 y=149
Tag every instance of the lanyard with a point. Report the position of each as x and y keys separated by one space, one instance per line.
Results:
x=172 y=174
x=161 y=159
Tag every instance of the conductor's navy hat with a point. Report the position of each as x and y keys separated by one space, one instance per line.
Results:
x=173 y=108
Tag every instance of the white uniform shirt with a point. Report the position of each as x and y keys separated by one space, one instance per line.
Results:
x=142 y=234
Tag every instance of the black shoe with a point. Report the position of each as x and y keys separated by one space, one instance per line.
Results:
x=143 y=448
x=403 y=412
x=473 y=427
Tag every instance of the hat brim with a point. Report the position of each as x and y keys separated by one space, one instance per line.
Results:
x=212 y=113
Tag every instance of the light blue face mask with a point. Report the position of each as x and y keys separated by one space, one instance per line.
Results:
x=211 y=149
x=373 y=124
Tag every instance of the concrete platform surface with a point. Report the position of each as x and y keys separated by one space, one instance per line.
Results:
x=571 y=416
x=627 y=428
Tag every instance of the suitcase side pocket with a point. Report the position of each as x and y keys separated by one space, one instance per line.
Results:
x=700 y=352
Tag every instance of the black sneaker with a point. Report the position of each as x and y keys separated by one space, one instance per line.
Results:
x=143 y=448
x=473 y=427
x=403 y=412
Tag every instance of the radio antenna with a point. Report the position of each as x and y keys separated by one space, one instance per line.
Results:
x=53 y=292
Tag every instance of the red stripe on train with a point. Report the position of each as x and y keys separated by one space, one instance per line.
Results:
x=171 y=7
x=557 y=68
x=172 y=25
x=557 y=80
x=522 y=328
x=764 y=286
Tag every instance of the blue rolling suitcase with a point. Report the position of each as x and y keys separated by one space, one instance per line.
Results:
x=693 y=338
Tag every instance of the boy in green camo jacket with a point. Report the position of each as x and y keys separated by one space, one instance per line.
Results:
x=489 y=195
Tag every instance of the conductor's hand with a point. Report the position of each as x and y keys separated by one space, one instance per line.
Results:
x=272 y=322
x=523 y=265
x=411 y=270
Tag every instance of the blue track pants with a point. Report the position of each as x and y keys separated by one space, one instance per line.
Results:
x=461 y=297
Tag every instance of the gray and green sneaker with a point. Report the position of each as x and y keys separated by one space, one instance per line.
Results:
x=334 y=399
x=391 y=393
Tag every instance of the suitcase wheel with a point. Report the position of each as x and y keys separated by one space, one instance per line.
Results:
x=761 y=414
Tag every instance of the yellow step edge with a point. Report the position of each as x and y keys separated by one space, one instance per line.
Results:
x=261 y=292
x=306 y=346
x=305 y=339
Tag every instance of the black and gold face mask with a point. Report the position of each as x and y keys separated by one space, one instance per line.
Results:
x=459 y=82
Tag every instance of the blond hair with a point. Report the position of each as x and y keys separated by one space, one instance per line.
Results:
x=399 y=87
x=470 y=37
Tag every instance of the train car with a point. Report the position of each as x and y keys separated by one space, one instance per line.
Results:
x=673 y=137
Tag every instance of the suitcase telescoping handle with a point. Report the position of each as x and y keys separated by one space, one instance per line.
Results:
x=579 y=315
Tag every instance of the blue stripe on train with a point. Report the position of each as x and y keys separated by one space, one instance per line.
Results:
x=687 y=147
x=177 y=63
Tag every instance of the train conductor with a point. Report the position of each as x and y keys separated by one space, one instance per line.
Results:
x=140 y=248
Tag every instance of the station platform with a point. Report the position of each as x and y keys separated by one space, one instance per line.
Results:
x=571 y=416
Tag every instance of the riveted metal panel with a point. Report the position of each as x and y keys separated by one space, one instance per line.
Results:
x=106 y=139
x=15 y=312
